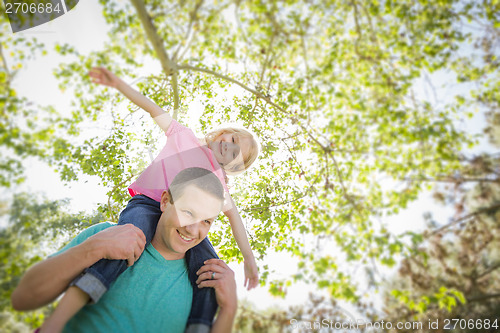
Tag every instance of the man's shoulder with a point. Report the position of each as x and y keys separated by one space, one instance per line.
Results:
x=93 y=229
x=86 y=233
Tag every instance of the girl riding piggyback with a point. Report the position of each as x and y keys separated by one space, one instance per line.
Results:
x=225 y=151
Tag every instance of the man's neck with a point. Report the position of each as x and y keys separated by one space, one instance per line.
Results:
x=165 y=252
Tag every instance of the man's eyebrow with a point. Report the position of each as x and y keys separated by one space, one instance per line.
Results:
x=196 y=213
x=212 y=218
x=188 y=208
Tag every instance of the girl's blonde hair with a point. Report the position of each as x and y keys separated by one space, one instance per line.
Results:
x=240 y=133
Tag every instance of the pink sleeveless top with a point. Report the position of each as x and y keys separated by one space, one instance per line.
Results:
x=182 y=151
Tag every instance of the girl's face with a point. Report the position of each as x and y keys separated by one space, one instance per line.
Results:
x=230 y=150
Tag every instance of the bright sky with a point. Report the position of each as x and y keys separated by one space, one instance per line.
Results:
x=84 y=27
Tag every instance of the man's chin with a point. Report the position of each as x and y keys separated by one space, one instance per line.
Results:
x=190 y=246
x=184 y=246
x=183 y=249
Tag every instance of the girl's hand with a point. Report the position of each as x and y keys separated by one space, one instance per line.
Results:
x=103 y=76
x=251 y=274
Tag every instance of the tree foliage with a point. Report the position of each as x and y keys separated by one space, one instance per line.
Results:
x=22 y=126
x=35 y=229
x=332 y=88
x=456 y=274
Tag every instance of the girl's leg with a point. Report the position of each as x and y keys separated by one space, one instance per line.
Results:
x=141 y=211
x=204 y=302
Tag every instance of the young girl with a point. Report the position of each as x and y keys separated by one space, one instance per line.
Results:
x=227 y=150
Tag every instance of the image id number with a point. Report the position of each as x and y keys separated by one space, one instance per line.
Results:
x=451 y=324
x=33 y=8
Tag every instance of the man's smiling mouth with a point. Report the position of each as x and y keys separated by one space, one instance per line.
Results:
x=186 y=238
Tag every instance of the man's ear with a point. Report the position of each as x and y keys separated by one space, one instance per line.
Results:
x=165 y=199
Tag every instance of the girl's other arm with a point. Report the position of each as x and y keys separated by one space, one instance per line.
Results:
x=239 y=233
x=105 y=77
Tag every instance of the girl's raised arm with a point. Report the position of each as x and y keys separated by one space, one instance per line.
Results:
x=105 y=77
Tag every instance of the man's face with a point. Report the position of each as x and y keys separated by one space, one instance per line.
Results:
x=186 y=222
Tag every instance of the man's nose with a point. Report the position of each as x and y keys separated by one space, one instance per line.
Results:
x=193 y=228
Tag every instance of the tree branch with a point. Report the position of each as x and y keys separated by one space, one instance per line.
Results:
x=5 y=65
x=453 y=180
x=175 y=89
x=227 y=78
x=267 y=99
x=488 y=271
x=267 y=60
x=373 y=36
x=166 y=63
x=168 y=66
x=302 y=171
x=482 y=298
x=341 y=180
x=190 y=32
x=466 y=217
x=360 y=54
x=279 y=203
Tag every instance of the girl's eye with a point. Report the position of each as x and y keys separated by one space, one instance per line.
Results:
x=208 y=221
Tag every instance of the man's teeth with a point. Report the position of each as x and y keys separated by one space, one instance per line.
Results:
x=184 y=237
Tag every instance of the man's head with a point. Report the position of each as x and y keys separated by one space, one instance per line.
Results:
x=191 y=204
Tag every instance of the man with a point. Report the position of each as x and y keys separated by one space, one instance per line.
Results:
x=154 y=295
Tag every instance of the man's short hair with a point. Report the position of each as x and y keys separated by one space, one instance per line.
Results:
x=202 y=178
